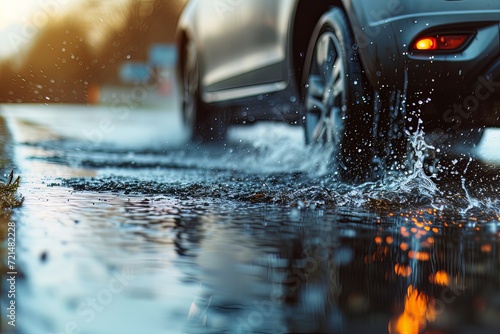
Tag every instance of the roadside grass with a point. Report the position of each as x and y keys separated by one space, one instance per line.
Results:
x=9 y=199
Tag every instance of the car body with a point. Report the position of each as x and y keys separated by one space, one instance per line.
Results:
x=255 y=61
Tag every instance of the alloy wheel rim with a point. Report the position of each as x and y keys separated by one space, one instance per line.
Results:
x=326 y=92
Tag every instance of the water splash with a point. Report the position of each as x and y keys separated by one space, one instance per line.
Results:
x=418 y=178
x=269 y=163
x=414 y=186
x=472 y=202
x=417 y=185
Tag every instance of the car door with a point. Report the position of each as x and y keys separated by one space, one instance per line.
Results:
x=243 y=44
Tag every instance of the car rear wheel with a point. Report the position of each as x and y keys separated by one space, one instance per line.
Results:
x=205 y=122
x=337 y=111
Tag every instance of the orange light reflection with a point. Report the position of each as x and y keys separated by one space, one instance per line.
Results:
x=486 y=248
x=402 y=270
x=417 y=312
x=420 y=256
x=440 y=278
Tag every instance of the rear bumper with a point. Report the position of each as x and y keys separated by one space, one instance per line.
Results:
x=385 y=31
x=456 y=74
x=478 y=107
x=466 y=82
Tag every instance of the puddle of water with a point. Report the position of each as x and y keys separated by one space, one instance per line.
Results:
x=205 y=264
x=96 y=258
x=117 y=240
x=208 y=266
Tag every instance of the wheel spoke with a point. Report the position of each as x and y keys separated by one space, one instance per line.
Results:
x=337 y=68
x=335 y=84
x=320 y=130
x=338 y=88
x=326 y=54
x=337 y=124
x=315 y=104
x=316 y=86
x=322 y=50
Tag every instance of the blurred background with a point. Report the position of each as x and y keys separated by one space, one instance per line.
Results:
x=85 y=51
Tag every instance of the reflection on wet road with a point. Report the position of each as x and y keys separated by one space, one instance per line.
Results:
x=132 y=230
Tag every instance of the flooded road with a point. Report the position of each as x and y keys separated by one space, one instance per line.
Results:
x=128 y=228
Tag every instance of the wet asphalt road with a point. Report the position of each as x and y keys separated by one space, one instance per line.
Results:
x=128 y=228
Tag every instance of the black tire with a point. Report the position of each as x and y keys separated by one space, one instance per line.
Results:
x=205 y=122
x=394 y=127
x=336 y=98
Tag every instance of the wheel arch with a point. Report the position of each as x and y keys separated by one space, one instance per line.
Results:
x=181 y=40
x=306 y=17
x=185 y=28
x=184 y=36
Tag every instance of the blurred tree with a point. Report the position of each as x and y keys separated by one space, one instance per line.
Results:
x=86 y=47
x=56 y=69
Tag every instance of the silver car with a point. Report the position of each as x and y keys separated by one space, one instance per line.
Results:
x=359 y=75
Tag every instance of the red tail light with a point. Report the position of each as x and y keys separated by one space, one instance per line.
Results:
x=441 y=42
